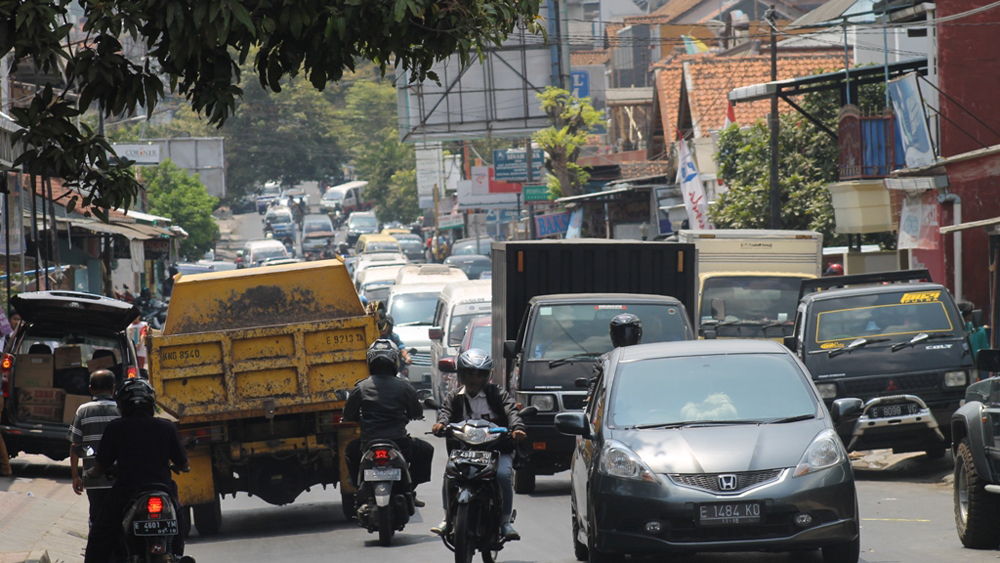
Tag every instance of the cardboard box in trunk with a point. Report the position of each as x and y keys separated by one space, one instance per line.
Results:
x=41 y=395
x=33 y=370
x=101 y=363
x=68 y=357
x=73 y=402
x=49 y=413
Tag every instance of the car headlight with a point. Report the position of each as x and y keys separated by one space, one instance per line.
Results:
x=543 y=402
x=827 y=390
x=954 y=378
x=824 y=451
x=620 y=461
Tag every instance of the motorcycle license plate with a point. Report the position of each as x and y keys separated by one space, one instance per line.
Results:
x=889 y=411
x=476 y=456
x=729 y=513
x=155 y=527
x=388 y=474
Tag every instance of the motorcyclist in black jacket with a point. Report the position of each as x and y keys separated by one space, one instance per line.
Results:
x=382 y=405
x=143 y=447
x=477 y=398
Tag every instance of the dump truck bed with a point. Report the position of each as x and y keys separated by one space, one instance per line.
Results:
x=261 y=342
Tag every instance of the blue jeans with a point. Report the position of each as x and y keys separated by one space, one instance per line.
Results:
x=505 y=475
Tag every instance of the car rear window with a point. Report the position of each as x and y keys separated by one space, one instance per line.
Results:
x=732 y=387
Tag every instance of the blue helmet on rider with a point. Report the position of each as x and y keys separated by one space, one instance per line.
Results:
x=383 y=357
x=474 y=362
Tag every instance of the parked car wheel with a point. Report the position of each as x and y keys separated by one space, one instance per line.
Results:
x=595 y=556
x=976 y=511
x=848 y=552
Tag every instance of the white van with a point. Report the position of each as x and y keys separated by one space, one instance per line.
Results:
x=412 y=307
x=430 y=273
x=457 y=305
x=255 y=252
x=374 y=283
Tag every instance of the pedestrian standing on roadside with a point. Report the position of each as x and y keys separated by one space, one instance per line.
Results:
x=85 y=432
x=137 y=333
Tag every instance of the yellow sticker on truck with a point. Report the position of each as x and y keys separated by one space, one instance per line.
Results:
x=921 y=297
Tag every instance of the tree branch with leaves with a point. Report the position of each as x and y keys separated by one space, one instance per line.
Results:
x=572 y=121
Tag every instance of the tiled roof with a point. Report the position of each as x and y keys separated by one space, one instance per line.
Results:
x=647 y=169
x=675 y=9
x=61 y=195
x=712 y=78
x=583 y=58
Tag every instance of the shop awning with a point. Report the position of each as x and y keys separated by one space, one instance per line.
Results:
x=970 y=225
x=592 y=196
x=149 y=231
x=108 y=228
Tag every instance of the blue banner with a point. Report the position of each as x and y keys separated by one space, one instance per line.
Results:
x=551 y=224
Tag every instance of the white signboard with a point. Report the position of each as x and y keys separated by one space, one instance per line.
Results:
x=429 y=172
x=450 y=221
x=468 y=200
x=141 y=154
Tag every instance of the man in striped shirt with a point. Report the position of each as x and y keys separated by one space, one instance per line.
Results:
x=86 y=431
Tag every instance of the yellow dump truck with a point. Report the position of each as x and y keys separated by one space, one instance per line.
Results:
x=256 y=366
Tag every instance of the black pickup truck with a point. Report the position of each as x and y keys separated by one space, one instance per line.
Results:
x=894 y=343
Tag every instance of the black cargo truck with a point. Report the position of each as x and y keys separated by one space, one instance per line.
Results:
x=552 y=305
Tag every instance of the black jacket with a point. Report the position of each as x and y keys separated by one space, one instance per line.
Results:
x=453 y=409
x=382 y=405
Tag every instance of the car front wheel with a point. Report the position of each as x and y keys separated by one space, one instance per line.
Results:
x=976 y=511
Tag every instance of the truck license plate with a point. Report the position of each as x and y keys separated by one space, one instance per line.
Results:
x=155 y=527
x=389 y=474
x=889 y=411
x=729 y=513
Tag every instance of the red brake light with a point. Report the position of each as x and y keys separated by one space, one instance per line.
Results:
x=381 y=457
x=154 y=505
x=132 y=372
x=6 y=364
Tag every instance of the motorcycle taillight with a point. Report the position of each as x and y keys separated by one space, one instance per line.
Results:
x=154 y=505
x=6 y=367
x=381 y=457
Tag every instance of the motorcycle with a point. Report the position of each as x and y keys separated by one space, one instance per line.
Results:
x=384 y=497
x=474 y=496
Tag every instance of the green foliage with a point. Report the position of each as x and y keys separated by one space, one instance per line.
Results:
x=402 y=204
x=808 y=161
x=377 y=162
x=572 y=120
x=183 y=199
x=196 y=48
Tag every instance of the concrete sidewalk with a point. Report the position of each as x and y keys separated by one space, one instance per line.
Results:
x=41 y=519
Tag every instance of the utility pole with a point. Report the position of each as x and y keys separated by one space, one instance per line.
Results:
x=531 y=178
x=775 y=199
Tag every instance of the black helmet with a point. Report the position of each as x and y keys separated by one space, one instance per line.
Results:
x=474 y=361
x=385 y=322
x=134 y=395
x=383 y=357
x=343 y=247
x=626 y=330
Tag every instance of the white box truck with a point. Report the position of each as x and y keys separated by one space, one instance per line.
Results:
x=748 y=280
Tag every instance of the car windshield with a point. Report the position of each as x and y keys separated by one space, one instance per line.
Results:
x=373 y=247
x=882 y=315
x=470 y=247
x=265 y=253
x=363 y=222
x=333 y=195
x=317 y=227
x=460 y=322
x=730 y=387
x=482 y=337
x=280 y=218
x=270 y=191
x=750 y=298
x=377 y=293
x=561 y=331
x=410 y=245
x=414 y=308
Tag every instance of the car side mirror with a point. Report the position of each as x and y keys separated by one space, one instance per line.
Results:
x=529 y=411
x=430 y=403
x=988 y=360
x=573 y=424
x=844 y=409
x=447 y=365
x=582 y=383
x=791 y=343
x=435 y=333
x=719 y=309
x=510 y=349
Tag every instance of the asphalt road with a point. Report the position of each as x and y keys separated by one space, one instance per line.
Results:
x=906 y=512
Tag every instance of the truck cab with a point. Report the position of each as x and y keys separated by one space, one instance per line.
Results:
x=899 y=348
x=549 y=365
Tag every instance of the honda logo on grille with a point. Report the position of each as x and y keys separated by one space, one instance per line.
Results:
x=727 y=482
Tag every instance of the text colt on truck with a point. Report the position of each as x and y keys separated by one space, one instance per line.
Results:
x=899 y=348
